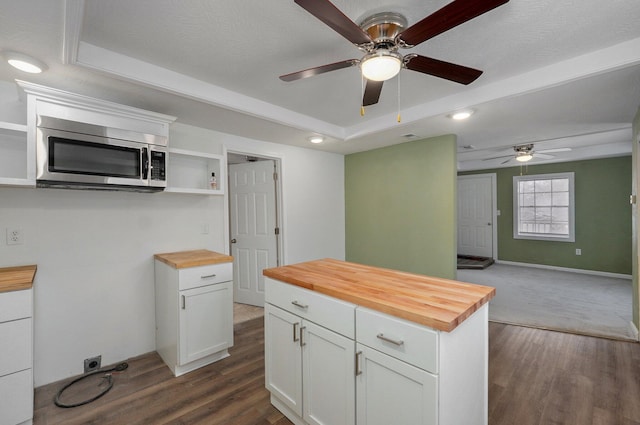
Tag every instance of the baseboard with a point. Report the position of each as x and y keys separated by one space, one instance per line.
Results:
x=634 y=330
x=566 y=269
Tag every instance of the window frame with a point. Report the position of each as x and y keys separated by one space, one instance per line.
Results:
x=571 y=237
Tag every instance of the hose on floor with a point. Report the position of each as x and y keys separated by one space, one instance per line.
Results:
x=119 y=368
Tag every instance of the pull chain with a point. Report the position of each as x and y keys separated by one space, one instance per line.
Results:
x=362 y=95
x=399 y=118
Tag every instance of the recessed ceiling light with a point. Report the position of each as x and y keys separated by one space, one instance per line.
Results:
x=24 y=62
x=462 y=115
x=316 y=139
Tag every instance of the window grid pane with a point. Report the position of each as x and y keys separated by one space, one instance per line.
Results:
x=543 y=206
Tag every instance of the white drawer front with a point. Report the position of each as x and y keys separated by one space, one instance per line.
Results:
x=15 y=340
x=16 y=305
x=329 y=312
x=404 y=340
x=16 y=397
x=194 y=277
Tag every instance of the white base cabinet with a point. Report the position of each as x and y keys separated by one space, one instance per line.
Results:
x=194 y=315
x=396 y=372
x=16 y=357
x=309 y=368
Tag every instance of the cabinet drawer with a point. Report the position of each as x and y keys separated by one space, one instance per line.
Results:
x=16 y=305
x=15 y=340
x=194 y=277
x=404 y=340
x=329 y=312
x=16 y=397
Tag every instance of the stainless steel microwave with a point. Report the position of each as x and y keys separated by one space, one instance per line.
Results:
x=82 y=156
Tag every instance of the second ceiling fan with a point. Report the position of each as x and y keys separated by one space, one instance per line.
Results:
x=380 y=36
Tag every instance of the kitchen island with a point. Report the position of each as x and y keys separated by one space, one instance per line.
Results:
x=347 y=343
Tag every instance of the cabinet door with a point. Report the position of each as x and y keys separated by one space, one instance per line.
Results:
x=283 y=357
x=206 y=321
x=390 y=391
x=328 y=370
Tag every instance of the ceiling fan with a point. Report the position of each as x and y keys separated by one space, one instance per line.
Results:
x=525 y=153
x=380 y=36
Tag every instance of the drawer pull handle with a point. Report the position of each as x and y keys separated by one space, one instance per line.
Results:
x=184 y=302
x=358 y=369
x=302 y=343
x=208 y=276
x=295 y=332
x=299 y=304
x=391 y=340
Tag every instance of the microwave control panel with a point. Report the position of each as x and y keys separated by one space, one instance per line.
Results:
x=158 y=166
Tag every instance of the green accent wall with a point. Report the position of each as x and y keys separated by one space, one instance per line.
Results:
x=602 y=217
x=401 y=207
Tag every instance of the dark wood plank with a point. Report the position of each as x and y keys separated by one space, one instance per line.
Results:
x=536 y=377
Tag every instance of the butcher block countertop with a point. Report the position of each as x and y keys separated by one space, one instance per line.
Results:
x=434 y=302
x=17 y=278
x=198 y=257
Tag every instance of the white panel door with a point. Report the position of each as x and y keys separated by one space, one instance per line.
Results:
x=328 y=376
x=390 y=391
x=475 y=216
x=283 y=357
x=252 y=206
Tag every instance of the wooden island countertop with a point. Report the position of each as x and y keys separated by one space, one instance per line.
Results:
x=195 y=258
x=17 y=278
x=434 y=302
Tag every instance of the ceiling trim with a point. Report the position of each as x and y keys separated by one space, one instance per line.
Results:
x=74 y=17
x=131 y=69
x=605 y=60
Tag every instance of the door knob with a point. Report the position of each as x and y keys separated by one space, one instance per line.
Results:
x=233 y=241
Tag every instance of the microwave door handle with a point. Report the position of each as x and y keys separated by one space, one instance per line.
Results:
x=145 y=163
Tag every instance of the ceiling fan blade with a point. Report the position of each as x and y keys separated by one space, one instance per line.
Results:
x=450 y=71
x=508 y=160
x=554 y=150
x=338 y=21
x=318 y=70
x=455 y=13
x=498 y=157
x=542 y=155
x=372 y=92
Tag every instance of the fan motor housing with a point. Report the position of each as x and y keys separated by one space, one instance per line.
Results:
x=383 y=27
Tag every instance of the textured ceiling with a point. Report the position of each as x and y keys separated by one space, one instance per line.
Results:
x=552 y=69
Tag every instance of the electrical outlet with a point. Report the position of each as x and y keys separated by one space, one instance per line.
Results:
x=92 y=363
x=14 y=236
x=578 y=251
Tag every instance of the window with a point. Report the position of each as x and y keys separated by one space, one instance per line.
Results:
x=543 y=207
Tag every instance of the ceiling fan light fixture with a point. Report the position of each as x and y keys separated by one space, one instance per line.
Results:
x=524 y=157
x=24 y=62
x=381 y=65
x=316 y=139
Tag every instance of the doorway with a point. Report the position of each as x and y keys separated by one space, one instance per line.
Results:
x=477 y=216
x=254 y=225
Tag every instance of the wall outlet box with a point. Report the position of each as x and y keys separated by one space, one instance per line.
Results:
x=578 y=251
x=92 y=363
x=14 y=236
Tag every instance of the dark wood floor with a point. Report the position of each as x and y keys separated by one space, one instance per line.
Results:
x=535 y=377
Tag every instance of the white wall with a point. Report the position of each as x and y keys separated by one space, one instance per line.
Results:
x=94 y=250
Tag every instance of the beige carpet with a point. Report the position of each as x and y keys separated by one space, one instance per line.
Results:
x=557 y=300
